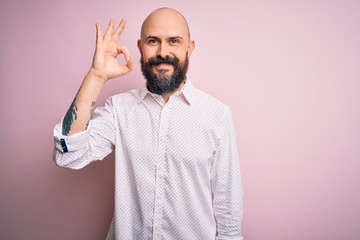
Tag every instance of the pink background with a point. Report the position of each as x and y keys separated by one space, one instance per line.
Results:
x=288 y=69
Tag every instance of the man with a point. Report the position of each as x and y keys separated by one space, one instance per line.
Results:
x=177 y=173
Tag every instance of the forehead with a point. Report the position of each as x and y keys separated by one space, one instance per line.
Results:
x=164 y=24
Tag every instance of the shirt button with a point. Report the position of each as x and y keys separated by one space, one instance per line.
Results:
x=158 y=197
x=160 y=168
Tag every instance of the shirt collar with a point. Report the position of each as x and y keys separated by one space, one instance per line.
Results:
x=187 y=92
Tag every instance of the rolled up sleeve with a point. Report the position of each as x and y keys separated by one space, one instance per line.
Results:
x=96 y=142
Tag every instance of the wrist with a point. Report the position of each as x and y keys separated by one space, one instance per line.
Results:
x=96 y=76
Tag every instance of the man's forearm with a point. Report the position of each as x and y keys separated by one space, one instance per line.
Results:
x=78 y=116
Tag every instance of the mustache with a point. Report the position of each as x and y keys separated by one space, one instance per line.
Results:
x=160 y=60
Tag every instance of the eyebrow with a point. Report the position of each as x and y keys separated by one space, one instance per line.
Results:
x=154 y=37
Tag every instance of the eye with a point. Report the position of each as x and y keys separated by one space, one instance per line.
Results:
x=174 y=41
x=153 y=42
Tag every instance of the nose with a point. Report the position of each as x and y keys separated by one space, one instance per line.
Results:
x=162 y=50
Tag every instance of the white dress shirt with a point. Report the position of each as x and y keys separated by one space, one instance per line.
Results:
x=177 y=173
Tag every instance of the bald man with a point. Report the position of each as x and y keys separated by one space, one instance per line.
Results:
x=177 y=173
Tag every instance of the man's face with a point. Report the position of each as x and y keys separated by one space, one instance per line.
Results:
x=165 y=48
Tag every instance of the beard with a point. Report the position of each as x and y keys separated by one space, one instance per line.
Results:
x=162 y=83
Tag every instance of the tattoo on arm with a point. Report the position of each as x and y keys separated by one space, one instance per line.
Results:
x=91 y=112
x=70 y=116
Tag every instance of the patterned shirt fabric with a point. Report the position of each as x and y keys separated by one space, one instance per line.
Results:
x=177 y=173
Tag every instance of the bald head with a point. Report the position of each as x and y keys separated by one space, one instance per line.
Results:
x=166 y=20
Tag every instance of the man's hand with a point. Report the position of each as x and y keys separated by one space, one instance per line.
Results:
x=105 y=65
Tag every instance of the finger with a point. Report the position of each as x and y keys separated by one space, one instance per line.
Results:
x=125 y=51
x=109 y=30
x=130 y=65
x=129 y=62
x=98 y=33
x=119 y=30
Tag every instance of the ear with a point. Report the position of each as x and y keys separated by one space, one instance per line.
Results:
x=191 y=47
x=139 y=45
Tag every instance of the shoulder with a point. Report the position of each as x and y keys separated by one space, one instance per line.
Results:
x=129 y=97
x=132 y=94
x=209 y=103
x=211 y=112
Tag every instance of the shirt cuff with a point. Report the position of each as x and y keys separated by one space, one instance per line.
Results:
x=70 y=143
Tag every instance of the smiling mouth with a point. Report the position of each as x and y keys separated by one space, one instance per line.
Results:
x=163 y=65
x=163 y=68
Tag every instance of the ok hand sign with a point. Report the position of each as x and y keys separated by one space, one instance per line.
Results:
x=105 y=65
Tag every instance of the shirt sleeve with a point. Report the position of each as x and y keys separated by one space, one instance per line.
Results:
x=96 y=142
x=226 y=183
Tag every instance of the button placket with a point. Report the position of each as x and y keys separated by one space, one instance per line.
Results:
x=159 y=185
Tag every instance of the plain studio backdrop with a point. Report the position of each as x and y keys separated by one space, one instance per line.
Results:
x=289 y=70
